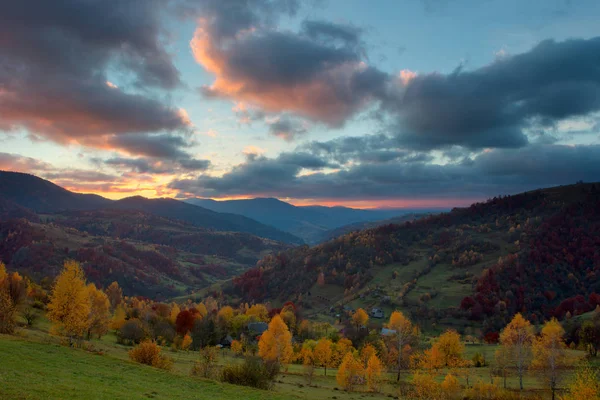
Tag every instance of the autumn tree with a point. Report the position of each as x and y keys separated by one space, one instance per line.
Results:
x=360 y=318
x=404 y=333
x=373 y=373
x=99 y=316
x=517 y=336
x=13 y=293
x=114 y=294
x=585 y=385
x=549 y=355
x=590 y=336
x=236 y=347
x=350 y=372
x=451 y=348
x=323 y=353
x=307 y=355
x=224 y=317
x=186 y=342
x=339 y=351
x=276 y=343
x=366 y=352
x=259 y=312
x=118 y=319
x=175 y=310
x=69 y=306
x=503 y=362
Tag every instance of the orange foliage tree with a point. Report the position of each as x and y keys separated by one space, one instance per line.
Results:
x=69 y=306
x=276 y=343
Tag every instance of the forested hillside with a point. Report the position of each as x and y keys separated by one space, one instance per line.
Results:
x=537 y=253
x=18 y=191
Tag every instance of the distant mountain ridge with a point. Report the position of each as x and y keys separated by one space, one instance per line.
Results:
x=311 y=223
x=42 y=196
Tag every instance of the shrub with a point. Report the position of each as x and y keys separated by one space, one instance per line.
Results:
x=132 y=332
x=478 y=360
x=204 y=367
x=253 y=372
x=148 y=352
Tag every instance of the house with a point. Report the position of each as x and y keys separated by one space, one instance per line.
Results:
x=377 y=313
x=387 y=332
x=257 y=328
x=226 y=342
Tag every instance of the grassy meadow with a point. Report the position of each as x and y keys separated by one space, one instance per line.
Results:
x=34 y=365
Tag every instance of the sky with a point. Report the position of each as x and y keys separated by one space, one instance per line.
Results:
x=382 y=103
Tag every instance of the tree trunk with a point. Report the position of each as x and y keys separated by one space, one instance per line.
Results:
x=521 y=380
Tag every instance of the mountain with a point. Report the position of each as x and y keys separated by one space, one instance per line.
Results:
x=307 y=222
x=42 y=196
x=537 y=253
x=203 y=217
x=148 y=255
x=359 y=226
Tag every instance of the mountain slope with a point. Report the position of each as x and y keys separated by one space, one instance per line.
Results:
x=203 y=217
x=537 y=253
x=148 y=255
x=309 y=223
x=42 y=196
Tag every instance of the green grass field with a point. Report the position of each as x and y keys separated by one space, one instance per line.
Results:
x=33 y=370
x=33 y=365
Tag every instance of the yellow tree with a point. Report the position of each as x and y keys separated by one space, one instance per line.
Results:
x=259 y=312
x=202 y=309
x=366 y=352
x=585 y=385
x=175 y=310
x=236 y=347
x=119 y=318
x=224 y=317
x=360 y=318
x=99 y=312
x=403 y=335
x=451 y=348
x=549 y=356
x=503 y=362
x=350 y=373
x=69 y=306
x=114 y=294
x=276 y=343
x=307 y=355
x=13 y=292
x=340 y=349
x=323 y=353
x=517 y=336
x=373 y=373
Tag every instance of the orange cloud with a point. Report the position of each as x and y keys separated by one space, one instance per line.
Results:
x=325 y=92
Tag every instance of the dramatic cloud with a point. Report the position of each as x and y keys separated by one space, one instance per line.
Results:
x=287 y=128
x=318 y=73
x=495 y=105
x=321 y=73
x=163 y=146
x=148 y=165
x=55 y=61
x=16 y=162
x=490 y=173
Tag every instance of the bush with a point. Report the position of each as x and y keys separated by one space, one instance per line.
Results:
x=208 y=359
x=478 y=360
x=132 y=332
x=148 y=353
x=253 y=372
